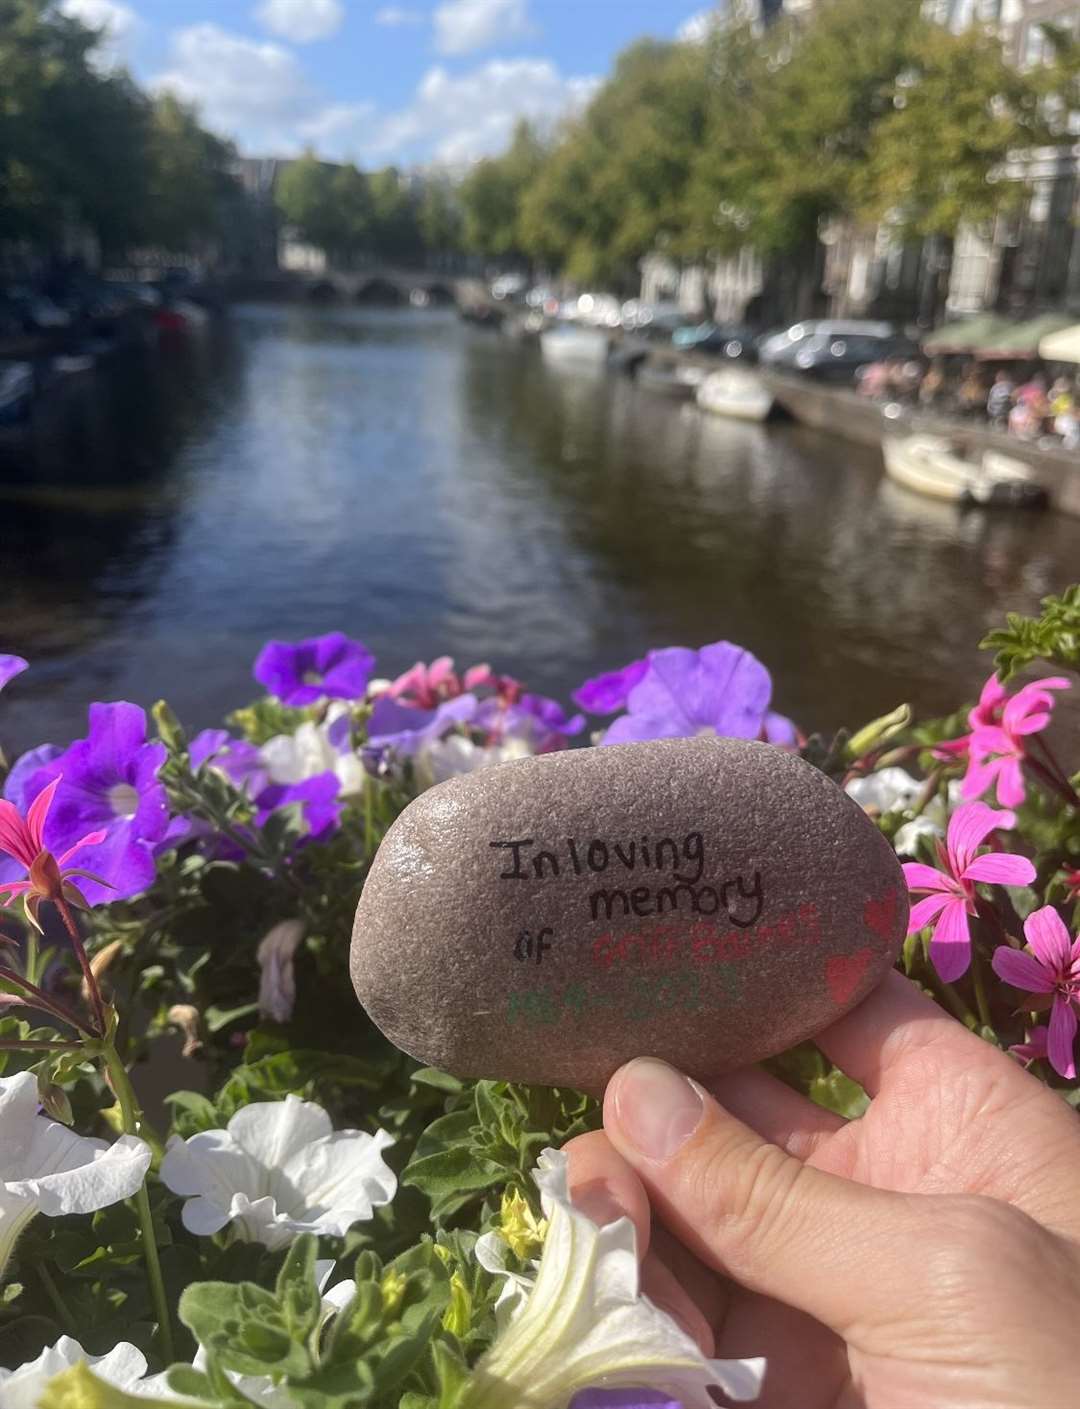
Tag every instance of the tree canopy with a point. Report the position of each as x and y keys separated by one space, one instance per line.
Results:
x=859 y=110
x=81 y=147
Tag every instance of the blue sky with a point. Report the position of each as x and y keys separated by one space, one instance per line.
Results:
x=408 y=81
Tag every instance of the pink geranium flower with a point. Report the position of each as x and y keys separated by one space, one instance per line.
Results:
x=1035 y=1048
x=1051 y=973
x=997 y=751
x=22 y=840
x=426 y=686
x=950 y=892
x=995 y=748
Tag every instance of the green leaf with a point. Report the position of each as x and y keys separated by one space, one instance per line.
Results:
x=440 y=1080
x=244 y=1327
x=343 y=1385
x=451 y=1172
x=1052 y=637
x=297 y=1288
x=217 y=1018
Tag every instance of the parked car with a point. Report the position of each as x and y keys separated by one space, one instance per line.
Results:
x=725 y=339
x=833 y=349
x=639 y=316
x=509 y=286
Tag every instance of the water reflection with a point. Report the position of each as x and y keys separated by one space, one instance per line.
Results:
x=431 y=487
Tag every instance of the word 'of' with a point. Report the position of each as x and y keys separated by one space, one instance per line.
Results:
x=525 y=946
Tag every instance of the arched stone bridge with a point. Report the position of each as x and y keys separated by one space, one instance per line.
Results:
x=372 y=285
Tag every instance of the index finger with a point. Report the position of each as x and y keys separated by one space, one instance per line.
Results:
x=897 y=1023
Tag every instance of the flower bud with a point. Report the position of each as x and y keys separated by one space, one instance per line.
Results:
x=877 y=732
x=186 y=1018
x=170 y=730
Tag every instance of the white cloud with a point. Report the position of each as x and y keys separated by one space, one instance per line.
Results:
x=462 y=26
x=301 y=21
x=396 y=16
x=455 y=118
x=255 y=92
x=119 y=22
x=698 y=27
x=258 y=93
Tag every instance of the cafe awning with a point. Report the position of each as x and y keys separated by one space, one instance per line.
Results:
x=1023 y=339
x=966 y=335
x=989 y=337
x=1063 y=346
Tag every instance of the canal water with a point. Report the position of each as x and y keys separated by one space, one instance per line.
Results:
x=432 y=488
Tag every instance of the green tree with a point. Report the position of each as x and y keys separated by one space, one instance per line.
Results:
x=793 y=118
x=439 y=216
x=492 y=192
x=190 y=186
x=305 y=197
x=615 y=186
x=396 y=228
x=72 y=138
x=353 y=212
x=958 y=111
x=82 y=148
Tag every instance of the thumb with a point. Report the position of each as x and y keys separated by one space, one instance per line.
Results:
x=838 y=1250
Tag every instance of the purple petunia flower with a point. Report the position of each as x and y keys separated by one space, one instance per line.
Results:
x=779 y=729
x=244 y=767
x=238 y=759
x=624 y=1399
x=301 y=672
x=540 y=722
x=10 y=666
x=605 y=694
x=405 y=731
x=109 y=783
x=318 y=797
x=721 y=689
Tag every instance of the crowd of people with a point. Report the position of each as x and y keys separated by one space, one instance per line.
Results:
x=1025 y=404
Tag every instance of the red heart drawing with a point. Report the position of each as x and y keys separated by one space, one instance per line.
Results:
x=844 y=973
x=880 y=915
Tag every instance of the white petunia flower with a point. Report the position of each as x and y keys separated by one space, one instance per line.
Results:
x=454 y=754
x=277 y=976
x=124 y=1367
x=491 y=1251
x=293 y=758
x=47 y=1168
x=584 y=1323
x=895 y=790
x=279 y=1169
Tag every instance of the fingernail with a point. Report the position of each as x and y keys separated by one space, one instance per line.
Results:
x=657 y=1108
x=597 y=1202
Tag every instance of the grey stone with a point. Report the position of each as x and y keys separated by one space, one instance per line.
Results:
x=708 y=901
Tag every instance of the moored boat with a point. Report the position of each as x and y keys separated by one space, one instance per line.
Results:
x=664 y=379
x=16 y=391
x=737 y=392
x=935 y=466
x=582 y=346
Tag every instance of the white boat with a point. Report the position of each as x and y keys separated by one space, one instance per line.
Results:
x=680 y=383
x=16 y=390
x=566 y=343
x=737 y=392
x=936 y=467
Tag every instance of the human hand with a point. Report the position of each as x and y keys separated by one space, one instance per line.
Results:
x=924 y=1256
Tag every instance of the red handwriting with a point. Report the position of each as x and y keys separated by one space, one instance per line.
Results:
x=706 y=941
